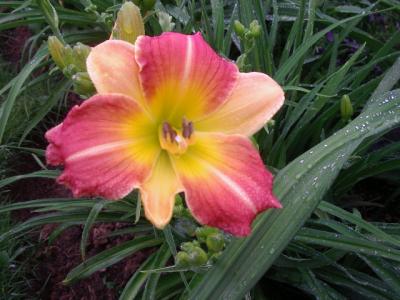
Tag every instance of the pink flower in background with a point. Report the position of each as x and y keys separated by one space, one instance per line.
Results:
x=170 y=116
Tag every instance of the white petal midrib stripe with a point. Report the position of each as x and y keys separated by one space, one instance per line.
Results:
x=97 y=150
x=188 y=60
x=243 y=196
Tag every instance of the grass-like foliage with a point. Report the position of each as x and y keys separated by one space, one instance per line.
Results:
x=334 y=149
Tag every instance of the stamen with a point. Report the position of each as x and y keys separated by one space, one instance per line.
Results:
x=176 y=141
x=168 y=132
x=166 y=128
x=187 y=128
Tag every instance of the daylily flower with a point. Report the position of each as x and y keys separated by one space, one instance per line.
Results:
x=170 y=116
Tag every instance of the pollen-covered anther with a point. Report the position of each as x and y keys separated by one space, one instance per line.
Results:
x=176 y=141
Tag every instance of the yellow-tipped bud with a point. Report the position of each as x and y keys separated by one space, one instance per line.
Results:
x=129 y=24
x=56 y=49
x=346 y=108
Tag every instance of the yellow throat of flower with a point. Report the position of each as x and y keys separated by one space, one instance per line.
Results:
x=176 y=141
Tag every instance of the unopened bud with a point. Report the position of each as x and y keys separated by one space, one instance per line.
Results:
x=82 y=84
x=165 y=21
x=188 y=246
x=80 y=52
x=255 y=29
x=197 y=257
x=129 y=24
x=56 y=49
x=239 y=28
x=346 y=108
x=68 y=56
x=203 y=232
x=215 y=242
x=182 y=259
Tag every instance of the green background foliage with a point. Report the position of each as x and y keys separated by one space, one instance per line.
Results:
x=330 y=241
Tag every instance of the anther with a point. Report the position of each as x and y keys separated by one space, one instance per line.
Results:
x=187 y=128
x=176 y=141
x=168 y=132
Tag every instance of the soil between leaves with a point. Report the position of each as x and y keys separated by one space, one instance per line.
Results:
x=53 y=261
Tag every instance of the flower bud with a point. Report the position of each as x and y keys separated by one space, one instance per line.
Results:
x=197 y=257
x=255 y=29
x=82 y=84
x=239 y=28
x=215 y=242
x=346 y=108
x=68 y=56
x=182 y=259
x=165 y=21
x=56 y=49
x=188 y=246
x=80 y=52
x=129 y=24
x=203 y=232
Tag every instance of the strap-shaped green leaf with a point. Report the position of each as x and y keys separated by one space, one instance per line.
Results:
x=109 y=257
x=300 y=187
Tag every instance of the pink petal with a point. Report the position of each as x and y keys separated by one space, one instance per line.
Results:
x=107 y=146
x=254 y=100
x=226 y=183
x=182 y=76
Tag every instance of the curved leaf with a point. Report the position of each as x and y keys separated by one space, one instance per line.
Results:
x=300 y=186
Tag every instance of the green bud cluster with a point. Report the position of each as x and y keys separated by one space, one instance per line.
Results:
x=212 y=237
x=247 y=37
x=193 y=253
x=254 y=30
x=72 y=62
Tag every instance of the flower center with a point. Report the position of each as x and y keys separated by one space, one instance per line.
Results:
x=176 y=141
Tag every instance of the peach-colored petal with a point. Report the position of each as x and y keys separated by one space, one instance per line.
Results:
x=254 y=100
x=226 y=183
x=182 y=76
x=107 y=146
x=158 y=192
x=113 y=69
